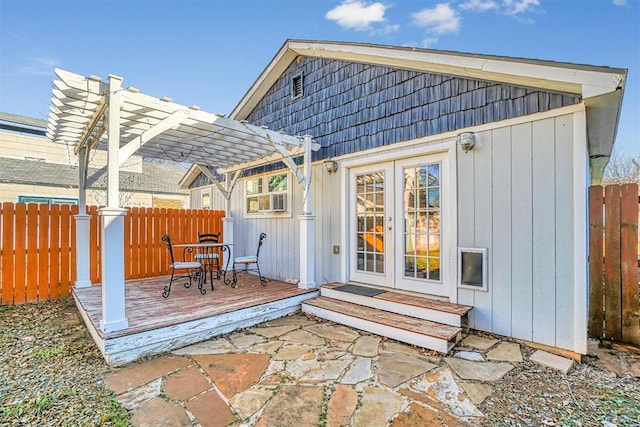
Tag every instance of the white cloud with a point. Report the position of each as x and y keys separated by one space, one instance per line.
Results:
x=429 y=41
x=357 y=15
x=439 y=20
x=516 y=7
x=38 y=66
x=620 y=2
x=479 y=5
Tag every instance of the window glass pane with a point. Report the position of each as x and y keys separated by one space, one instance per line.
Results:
x=409 y=200
x=264 y=202
x=379 y=263
x=434 y=175
x=422 y=176
x=409 y=266
x=360 y=261
x=409 y=222
x=254 y=186
x=434 y=198
x=421 y=267
x=278 y=182
x=252 y=204
x=422 y=198
x=369 y=266
x=409 y=178
x=206 y=200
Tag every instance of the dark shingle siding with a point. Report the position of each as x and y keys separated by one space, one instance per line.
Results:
x=349 y=107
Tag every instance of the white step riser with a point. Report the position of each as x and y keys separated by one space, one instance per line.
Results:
x=394 y=307
x=387 y=331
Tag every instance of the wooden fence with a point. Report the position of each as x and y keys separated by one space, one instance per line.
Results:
x=614 y=313
x=38 y=246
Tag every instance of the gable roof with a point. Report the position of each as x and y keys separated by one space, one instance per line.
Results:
x=601 y=88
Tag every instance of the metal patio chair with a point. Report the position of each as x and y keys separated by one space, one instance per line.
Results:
x=208 y=257
x=247 y=261
x=193 y=270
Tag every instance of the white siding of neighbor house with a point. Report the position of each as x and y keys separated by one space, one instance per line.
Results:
x=515 y=197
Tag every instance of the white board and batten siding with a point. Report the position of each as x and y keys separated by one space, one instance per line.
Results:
x=280 y=253
x=515 y=197
x=217 y=201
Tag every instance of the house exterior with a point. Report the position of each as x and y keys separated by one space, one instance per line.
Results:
x=455 y=176
x=34 y=169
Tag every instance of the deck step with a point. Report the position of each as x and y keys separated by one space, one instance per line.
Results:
x=419 y=332
x=409 y=305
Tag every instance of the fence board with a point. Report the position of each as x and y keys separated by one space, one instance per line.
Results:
x=93 y=243
x=32 y=252
x=149 y=241
x=629 y=268
x=7 y=252
x=20 y=285
x=135 y=242
x=156 y=242
x=612 y=301
x=127 y=243
x=65 y=247
x=163 y=251
x=43 y=252
x=596 y=265
x=54 y=251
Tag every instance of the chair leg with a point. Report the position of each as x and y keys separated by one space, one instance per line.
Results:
x=234 y=281
x=263 y=281
x=167 y=288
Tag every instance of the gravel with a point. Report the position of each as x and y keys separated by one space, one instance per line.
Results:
x=51 y=371
x=51 y=375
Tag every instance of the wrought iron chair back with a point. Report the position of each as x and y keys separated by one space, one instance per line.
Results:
x=248 y=260
x=193 y=270
x=209 y=257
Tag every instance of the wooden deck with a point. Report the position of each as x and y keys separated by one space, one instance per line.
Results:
x=159 y=324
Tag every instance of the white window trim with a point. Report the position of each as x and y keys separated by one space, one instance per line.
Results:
x=485 y=269
x=205 y=193
x=287 y=213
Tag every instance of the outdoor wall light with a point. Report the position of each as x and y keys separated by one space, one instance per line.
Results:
x=466 y=140
x=330 y=166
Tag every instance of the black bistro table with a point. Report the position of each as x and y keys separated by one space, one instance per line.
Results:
x=207 y=248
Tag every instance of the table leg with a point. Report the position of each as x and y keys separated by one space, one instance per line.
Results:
x=226 y=248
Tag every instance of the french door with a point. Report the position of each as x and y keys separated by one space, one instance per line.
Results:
x=398 y=225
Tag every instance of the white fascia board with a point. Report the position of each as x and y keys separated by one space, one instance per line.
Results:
x=189 y=177
x=586 y=81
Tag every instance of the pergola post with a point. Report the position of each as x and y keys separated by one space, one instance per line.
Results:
x=83 y=280
x=112 y=216
x=227 y=222
x=307 y=225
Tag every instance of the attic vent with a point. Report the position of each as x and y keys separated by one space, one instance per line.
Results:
x=296 y=86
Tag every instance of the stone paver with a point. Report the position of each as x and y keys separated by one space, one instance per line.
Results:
x=186 y=383
x=477 y=392
x=136 y=374
x=233 y=373
x=359 y=371
x=273 y=331
x=291 y=352
x=314 y=370
x=553 y=361
x=343 y=402
x=244 y=341
x=340 y=345
x=469 y=355
x=417 y=415
x=379 y=405
x=366 y=346
x=394 y=369
x=441 y=385
x=132 y=398
x=217 y=346
x=447 y=418
x=333 y=332
x=634 y=367
x=479 y=371
x=506 y=352
x=396 y=347
x=303 y=337
x=480 y=343
x=250 y=401
x=267 y=347
x=294 y=405
x=160 y=413
x=210 y=410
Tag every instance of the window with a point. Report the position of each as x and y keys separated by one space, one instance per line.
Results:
x=206 y=200
x=267 y=194
x=48 y=200
x=296 y=86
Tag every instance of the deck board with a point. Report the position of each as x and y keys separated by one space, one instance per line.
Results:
x=146 y=309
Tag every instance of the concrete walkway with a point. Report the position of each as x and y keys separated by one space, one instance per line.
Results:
x=298 y=371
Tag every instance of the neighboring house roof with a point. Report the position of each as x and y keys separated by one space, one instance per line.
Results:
x=601 y=88
x=155 y=178
x=17 y=123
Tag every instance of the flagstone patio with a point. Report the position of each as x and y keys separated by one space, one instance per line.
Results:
x=297 y=371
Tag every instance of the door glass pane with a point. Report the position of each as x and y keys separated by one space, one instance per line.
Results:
x=421 y=214
x=370 y=214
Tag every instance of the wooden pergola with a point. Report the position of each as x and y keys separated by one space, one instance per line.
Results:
x=89 y=114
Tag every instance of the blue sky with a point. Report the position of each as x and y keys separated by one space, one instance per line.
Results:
x=208 y=53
